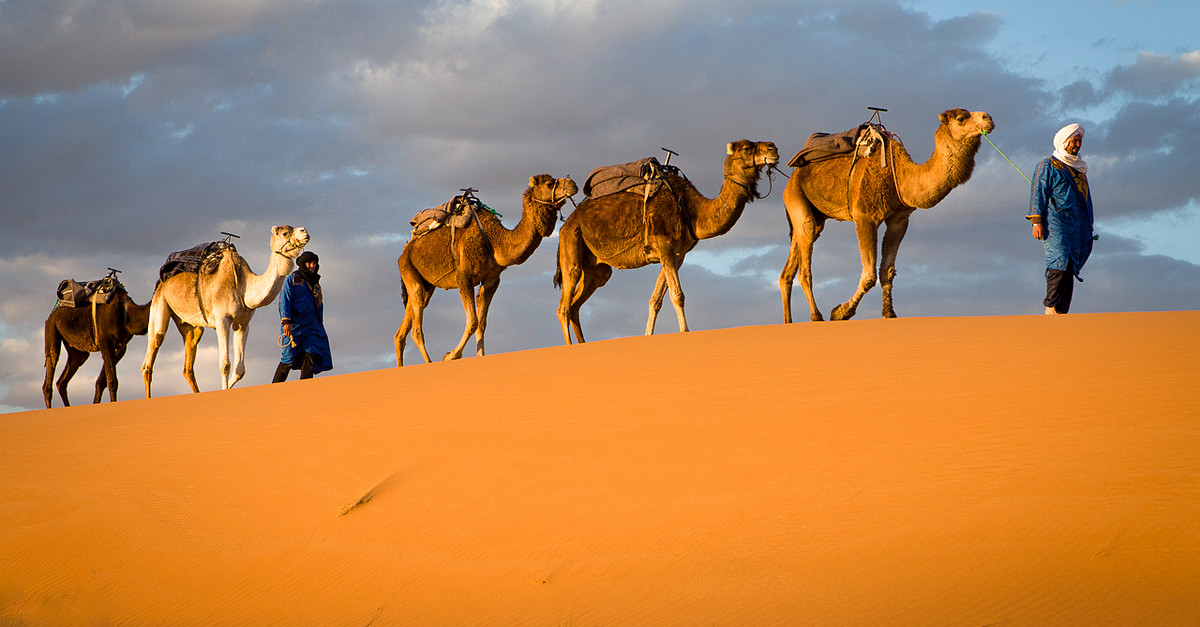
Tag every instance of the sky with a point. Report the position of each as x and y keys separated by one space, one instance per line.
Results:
x=134 y=128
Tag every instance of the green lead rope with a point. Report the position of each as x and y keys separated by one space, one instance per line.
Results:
x=989 y=140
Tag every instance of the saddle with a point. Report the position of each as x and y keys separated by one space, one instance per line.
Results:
x=643 y=177
x=863 y=140
x=72 y=293
x=457 y=213
x=201 y=258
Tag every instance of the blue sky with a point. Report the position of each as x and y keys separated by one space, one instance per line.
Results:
x=134 y=128
x=1062 y=42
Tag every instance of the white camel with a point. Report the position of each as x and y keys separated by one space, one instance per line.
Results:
x=224 y=300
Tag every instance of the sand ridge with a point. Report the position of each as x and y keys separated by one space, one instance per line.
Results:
x=1021 y=470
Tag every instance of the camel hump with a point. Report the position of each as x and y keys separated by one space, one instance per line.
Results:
x=643 y=177
x=821 y=146
x=201 y=258
x=72 y=293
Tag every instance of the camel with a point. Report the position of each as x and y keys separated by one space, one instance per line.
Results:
x=224 y=300
x=474 y=255
x=105 y=329
x=869 y=193
x=617 y=231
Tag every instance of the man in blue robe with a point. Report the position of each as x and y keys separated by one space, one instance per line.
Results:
x=302 y=322
x=1061 y=212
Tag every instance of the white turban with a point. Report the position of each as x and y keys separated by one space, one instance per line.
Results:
x=1060 y=147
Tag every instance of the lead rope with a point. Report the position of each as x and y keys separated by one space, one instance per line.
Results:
x=989 y=140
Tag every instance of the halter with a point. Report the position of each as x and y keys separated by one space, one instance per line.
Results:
x=288 y=247
x=771 y=169
x=556 y=204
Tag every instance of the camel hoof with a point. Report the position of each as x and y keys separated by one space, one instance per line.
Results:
x=816 y=317
x=888 y=313
x=842 y=312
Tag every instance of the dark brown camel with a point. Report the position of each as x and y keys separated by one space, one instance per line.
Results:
x=116 y=322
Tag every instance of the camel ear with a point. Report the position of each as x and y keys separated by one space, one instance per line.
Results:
x=531 y=181
x=942 y=118
x=729 y=148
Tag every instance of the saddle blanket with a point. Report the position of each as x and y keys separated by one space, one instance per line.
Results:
x=453 y=212
x=199 y=258
x=821 y=146
x=634 y=177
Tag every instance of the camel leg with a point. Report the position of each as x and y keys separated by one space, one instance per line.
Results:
x=656 y=299
x=75 y=359
x=53 y=348
x=156 y=332
x=595 y=278
x=800 y=261
x=191 y=339
x=223 y=340
x=398 y=340
x=570 y=274
x=108 y=374
x=467 y=291
x=241 y=333
x=419 y=301
x=486 y=292
x=897 y=226
x=670 y=267
x=868 y=243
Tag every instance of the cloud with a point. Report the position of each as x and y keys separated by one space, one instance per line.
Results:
x=1155 y=75
x=134 y=129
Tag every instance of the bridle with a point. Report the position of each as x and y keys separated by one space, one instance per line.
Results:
x=771 y=169
x=556 y=203
x=288 y=247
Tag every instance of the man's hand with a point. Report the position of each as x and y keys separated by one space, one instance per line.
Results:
x=287 y=328
x=1038 y=233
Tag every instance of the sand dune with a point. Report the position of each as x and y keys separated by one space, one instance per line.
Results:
x=1026 y=470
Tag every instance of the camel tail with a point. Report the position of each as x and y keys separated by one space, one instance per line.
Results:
x=403 y=294
x=558 y=275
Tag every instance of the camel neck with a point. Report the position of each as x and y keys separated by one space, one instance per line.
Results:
x=926 y=184
x=716 y=216
x=512 y=247
x=261 y=289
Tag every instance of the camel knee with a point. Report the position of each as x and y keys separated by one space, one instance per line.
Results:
x=889 y=277
x=867 y=282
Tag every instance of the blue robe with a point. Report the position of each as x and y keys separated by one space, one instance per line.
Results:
x=301 y=304
x=1060 y=196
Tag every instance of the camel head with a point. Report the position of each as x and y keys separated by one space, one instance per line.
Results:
x=745 y=161
x=963 y=126
x=549 y=192
x=288 y=241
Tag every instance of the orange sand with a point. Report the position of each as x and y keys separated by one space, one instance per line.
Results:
x=1025 y=470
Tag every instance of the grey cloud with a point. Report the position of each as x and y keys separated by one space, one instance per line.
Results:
x=1155 y=75
x=349 y=117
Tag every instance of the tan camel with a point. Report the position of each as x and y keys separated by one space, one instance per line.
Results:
x=224 y=300
x=83 y=330
x=475 y=255
x=614 y=231
x=871 y=193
